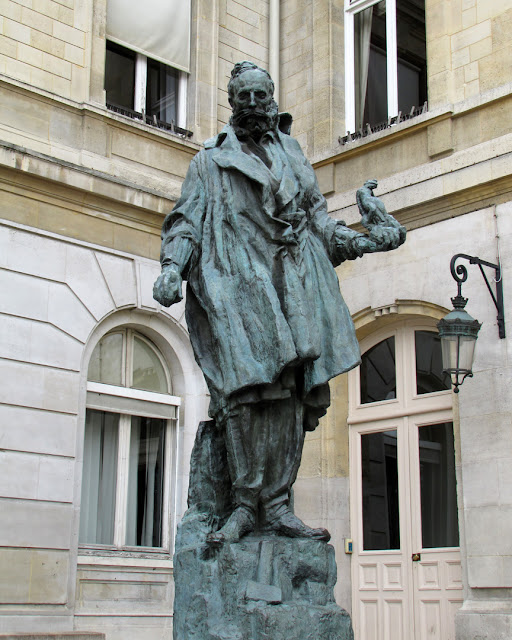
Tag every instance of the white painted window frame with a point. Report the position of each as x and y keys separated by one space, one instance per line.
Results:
x=141 y=82
x=351 y=8
x=403 y=414
x=103 y=397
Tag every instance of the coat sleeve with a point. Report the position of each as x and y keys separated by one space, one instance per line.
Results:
x=340 y=242
x=181 y=230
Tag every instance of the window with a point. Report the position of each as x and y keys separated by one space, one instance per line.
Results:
x=151 y=89
x=385 y=53
x=128 y=445
x=148 y=59
x=377 y=373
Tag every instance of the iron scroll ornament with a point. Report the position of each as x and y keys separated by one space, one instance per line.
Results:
x=460 y=275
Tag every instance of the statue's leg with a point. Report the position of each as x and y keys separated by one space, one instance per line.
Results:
x=284 y=453
x=245 y=434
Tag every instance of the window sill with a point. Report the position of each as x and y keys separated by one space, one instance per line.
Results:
x=151 y=121
x=124 y=558
x=368 y=131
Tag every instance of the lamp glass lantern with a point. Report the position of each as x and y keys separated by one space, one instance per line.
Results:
x=458 y=332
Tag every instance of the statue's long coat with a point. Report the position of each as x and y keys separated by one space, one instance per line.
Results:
x=262 y=291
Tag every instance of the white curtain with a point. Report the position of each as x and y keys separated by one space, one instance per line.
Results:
x=159 y=29
x=362 y=35
x=97 y=508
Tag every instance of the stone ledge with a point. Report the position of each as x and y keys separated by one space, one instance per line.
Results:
x=72 y=635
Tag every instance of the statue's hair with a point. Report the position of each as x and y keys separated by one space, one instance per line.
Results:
x=242 y=67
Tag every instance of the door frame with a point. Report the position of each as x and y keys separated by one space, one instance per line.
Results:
x=405 y=413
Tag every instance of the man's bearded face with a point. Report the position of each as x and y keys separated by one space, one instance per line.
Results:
x=254 y=109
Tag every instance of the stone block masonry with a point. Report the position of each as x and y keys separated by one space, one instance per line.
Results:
x=45 y=46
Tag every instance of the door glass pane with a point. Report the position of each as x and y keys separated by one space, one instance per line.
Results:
x=148 y=372
x=119 y=76
x=439 y=522
x=381 y=524
x=412 y=54
x=370 y=65
x=378 y=378
x=107 y=360
x=429 y=363
x=99 y=478
x=146 y=482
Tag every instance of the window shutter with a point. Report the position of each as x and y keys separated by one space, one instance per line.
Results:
x=159 y=29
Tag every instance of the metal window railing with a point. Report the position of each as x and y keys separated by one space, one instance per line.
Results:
x=151 y=120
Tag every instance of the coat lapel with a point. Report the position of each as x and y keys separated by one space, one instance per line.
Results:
x=229 y=155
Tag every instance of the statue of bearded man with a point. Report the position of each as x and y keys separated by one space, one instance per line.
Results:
x=269 y=328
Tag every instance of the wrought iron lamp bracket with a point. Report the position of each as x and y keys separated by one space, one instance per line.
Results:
x=460 y=275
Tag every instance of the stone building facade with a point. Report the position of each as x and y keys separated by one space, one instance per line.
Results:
x=400 y=466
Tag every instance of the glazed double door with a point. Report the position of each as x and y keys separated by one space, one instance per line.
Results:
x=406 y=572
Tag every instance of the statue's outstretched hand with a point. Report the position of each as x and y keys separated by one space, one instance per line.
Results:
x=387 y=238
x=167 y=288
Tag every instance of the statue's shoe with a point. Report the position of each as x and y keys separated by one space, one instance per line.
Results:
x=287 y=524
x=239 y=523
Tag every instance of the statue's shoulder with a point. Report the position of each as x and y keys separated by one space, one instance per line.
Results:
x=216 y=141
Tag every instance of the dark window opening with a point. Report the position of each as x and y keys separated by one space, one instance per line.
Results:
x=429 y=363
x=381 y=520
x=162 y=92
x=378 y=377
x=411 y=53
x=439 y=519
x=119 y=75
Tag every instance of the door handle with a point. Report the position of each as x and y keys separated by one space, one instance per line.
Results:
x=416 y=557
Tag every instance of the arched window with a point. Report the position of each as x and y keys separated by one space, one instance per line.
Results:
x=128 y=445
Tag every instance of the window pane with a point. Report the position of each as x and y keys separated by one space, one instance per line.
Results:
x=146 y=483
x=370 y=65
x=429 y=363
x=119 y=75
x=107 y=360
x=439 y=521
x=378 y=378
x=99 y=478
x=412 y=54
x=381 y=524
x=148 y=373
x=162 y=91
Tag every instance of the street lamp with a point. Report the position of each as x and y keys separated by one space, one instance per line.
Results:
x=458 y=330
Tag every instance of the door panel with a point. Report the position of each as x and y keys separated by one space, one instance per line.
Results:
x=435 y=534
x=406 y=503
x=382 y=574
x=437 y=594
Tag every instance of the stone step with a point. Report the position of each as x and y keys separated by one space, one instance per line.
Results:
x=71 y=635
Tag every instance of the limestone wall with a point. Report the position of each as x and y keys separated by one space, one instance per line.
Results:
x=468 y=48
x=44 y=44
x=60 y=297
x=243 y=35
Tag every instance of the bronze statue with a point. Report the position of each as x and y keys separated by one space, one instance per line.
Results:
x=269 y=328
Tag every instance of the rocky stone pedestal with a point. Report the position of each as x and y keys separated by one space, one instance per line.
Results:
x=266 y=588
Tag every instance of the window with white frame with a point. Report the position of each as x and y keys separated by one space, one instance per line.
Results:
x=147 y=58
x=134 y=82
x=129 y=445
x=386 y=62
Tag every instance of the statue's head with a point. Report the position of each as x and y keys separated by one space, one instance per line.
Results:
x=251 y=91
x=371 y=183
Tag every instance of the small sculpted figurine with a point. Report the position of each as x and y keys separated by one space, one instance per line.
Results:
x=374 y=216
x=269 y=328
